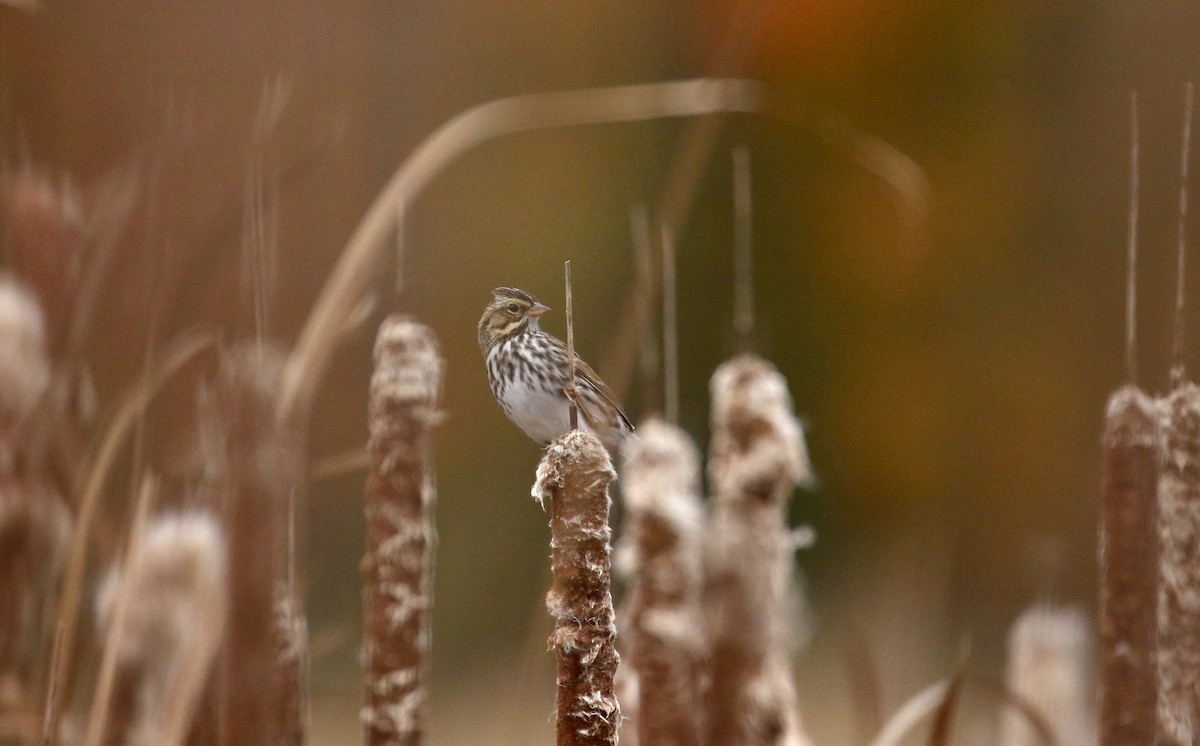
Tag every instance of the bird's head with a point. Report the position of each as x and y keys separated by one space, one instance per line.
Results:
x=511 y=312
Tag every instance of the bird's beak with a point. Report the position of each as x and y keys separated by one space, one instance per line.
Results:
x=538 y=309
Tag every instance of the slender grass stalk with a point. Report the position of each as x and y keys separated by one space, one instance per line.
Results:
x=573 y=478
x=1129 y=569
x=649 y=354
x=757 y=457
x=102 y=699
x=1049 y=665
x=670 y=333
x=665 y=524
x=743 y=250
x=572 y=392
x=397 y=568
x=1181 y=253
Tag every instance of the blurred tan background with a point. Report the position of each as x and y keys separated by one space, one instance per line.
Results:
x=954 y=390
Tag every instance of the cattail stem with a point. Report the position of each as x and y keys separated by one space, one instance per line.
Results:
x=665 y=521
x=643 y=264
x=1184 y=160
x=1179 y=576
x=757 y=458
x=743 y=250
x=574 y=476
x=397 y=568
x=1131 y=253
x=1129 y=568
x=572 y=391
x=670 y=329
x=256 y=471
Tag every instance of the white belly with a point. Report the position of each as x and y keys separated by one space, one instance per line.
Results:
x=541 y=414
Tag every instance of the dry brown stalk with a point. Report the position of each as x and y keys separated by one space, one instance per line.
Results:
x=1129 y=568
x=397 y=567
x=116 y=615
x=663 y=558
x=573 y=478
x=129 y=411
x=757 y=457
x=1179 y=576
x=255 y=465
x=1049 y=666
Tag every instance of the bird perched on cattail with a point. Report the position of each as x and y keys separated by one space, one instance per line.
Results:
x=527 y=369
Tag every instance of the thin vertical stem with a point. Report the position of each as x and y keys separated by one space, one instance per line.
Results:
x=571 y=389
x=1131 y=272
x=743 y=249
x=401 y=214
x=670 y=329
x=1184 y=156
x=648 y=355
x=101 y=701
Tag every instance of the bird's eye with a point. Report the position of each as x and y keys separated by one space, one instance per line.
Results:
x=513 y=308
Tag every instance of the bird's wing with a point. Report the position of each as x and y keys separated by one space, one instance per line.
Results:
x=592 y=381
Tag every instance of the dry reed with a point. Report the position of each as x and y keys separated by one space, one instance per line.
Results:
x=67 y=615
x=1049 y=666
x=1129 y=568
x=757 y=457
x=661 y=555
x=397 y=568
x=572 y=479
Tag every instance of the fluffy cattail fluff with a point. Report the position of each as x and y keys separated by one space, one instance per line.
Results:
x=173 y=626
x=24 y=367
x=397 y=567
x=1179 y=578
x=757 y=458
x=572 y=479
x=1049 y=668
x=1129 y=567
x=661 y=557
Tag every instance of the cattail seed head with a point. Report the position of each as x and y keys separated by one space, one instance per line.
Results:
x=24 y=368
x=1049 y=654
x=175 y=621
